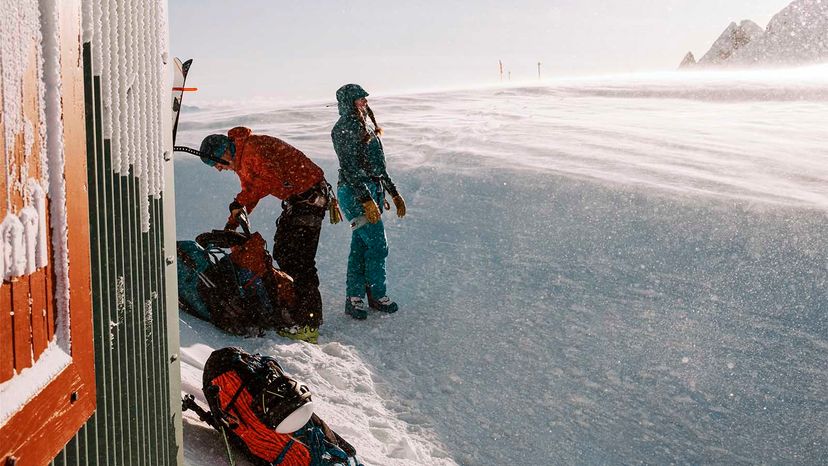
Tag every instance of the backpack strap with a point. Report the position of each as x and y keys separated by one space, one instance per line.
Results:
x=282 y=455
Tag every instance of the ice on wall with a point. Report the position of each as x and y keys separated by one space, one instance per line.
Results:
x=29 y=221
x=39 y=202
x=19 y=28
x=24 y=246
x=24 y=385
x=50 y=14
x=129 y=46
x=14 y=253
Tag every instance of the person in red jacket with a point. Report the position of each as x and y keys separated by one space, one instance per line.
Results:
x=268 y=166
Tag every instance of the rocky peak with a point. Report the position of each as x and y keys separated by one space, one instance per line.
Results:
x=688 y=61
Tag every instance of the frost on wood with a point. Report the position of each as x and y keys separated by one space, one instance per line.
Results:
x=29 y=221
x=30 y=381
x=39 y=202
x=30 y=48
x=55 y=155
x=14 y=252
x=19 y=29
x=129 y=46
x=23 y=244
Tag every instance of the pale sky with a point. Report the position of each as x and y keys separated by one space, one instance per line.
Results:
x=304 y=50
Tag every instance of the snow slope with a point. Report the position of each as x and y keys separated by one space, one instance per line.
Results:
x=613 y=270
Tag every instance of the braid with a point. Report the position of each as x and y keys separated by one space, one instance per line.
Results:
x=377 y=128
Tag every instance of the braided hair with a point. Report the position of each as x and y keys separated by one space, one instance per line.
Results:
x=377 y=129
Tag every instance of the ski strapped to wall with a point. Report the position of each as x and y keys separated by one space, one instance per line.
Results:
x=178 y=89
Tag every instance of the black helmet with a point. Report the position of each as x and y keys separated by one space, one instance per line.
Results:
x=215 y=145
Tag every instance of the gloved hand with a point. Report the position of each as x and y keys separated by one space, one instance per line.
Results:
x=236 y=209
x=372 y=213
x=399 y=203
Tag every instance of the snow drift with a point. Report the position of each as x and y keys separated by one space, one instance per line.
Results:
x=614 y=270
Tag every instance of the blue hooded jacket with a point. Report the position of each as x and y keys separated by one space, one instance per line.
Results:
x=360 y=152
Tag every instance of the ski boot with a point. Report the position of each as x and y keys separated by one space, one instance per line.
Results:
x=355 y=307
x=303 y=333
x=383 y=304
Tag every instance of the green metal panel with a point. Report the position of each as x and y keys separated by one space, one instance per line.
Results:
x=138 y=416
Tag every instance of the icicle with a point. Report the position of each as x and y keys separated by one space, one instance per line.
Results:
x=29 y=221
x=163 y=35
x=143 y=95
x=87 y=21
x=116 y=77
x=39 y=203
x=14 y=252
x=50 y=12
x=103 y=7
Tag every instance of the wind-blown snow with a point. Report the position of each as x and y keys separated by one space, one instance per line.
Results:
x=615 y=270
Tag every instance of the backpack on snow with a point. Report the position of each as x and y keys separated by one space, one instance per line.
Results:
x=240 y=291
x=249 y=396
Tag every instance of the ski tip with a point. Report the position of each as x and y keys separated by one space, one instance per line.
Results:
x=185 y=89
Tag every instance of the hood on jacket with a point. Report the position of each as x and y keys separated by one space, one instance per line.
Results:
x=239 y=132
x=345 y=97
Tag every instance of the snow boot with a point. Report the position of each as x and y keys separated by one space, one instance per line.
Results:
x=355 y=307
x=306 y=333
x=383 y=304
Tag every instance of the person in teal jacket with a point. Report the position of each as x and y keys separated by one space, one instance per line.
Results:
x=363 y=182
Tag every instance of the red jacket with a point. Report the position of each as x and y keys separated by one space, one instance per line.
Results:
x=267 y=165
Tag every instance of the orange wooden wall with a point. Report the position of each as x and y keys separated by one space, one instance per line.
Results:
x=36 y=432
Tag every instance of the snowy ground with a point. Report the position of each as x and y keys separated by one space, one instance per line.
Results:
x=615 y=270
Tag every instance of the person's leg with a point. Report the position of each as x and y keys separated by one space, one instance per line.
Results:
x=376 y=251
x=355 y=279
x=295 y=245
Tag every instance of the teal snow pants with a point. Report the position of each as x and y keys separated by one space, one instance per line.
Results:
x=369 y=247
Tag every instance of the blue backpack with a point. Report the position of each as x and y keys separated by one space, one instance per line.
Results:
x=238 y=291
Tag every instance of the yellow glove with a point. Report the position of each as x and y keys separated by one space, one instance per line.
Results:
x=399 y=203
x=372 y=213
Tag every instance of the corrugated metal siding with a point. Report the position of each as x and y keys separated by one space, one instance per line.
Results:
x=138 y=420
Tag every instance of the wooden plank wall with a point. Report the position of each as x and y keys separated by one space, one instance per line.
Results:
x=136 y=422
x=26 y=308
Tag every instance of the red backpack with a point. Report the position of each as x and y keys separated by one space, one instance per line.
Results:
x=251 y=400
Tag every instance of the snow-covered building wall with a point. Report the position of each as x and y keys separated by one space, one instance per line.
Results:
x=45 y=336
x=129 y=53
x=88 y=286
